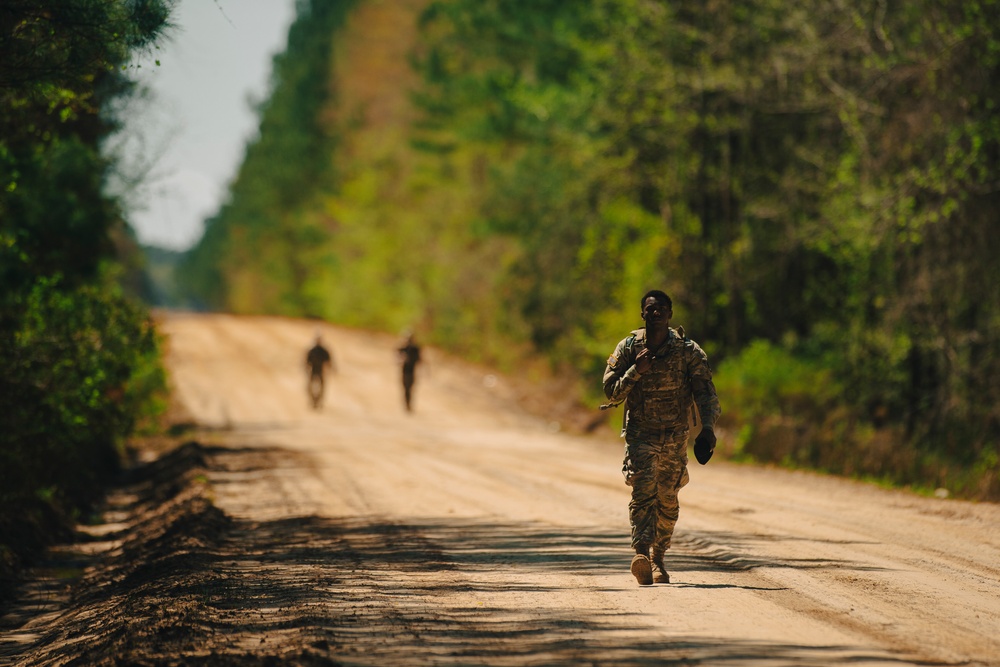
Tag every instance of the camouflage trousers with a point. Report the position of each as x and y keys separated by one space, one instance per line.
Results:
x=656 y=468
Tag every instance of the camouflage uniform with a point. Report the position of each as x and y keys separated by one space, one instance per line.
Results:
x=658 y=408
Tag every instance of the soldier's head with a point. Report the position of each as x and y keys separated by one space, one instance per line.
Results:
x=656 y=307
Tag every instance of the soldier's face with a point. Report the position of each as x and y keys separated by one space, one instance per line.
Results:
x=655 y=311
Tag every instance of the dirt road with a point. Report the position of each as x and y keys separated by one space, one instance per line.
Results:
x=469 y=532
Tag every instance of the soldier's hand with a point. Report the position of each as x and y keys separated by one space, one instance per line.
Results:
x=704 y=445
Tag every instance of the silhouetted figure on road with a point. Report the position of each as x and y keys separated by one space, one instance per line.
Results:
x=318 y=359
x=409 y=355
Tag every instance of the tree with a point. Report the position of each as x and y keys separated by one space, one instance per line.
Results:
x=80 y=360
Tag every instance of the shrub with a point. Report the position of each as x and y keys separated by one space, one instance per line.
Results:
x=80 y=367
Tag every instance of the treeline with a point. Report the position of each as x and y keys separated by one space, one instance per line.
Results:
x=815 y=184
x=79 y=364
x=266 y=243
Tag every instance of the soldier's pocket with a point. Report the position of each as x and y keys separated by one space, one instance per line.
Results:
x=685 y=478
x=628 y=468
x=638 y=461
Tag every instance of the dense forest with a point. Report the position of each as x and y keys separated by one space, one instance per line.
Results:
x=80 y=367
x=815 y=183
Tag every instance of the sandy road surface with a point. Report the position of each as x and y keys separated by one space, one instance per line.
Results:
x=471 y=533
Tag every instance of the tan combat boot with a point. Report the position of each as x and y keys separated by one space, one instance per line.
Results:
x=661 y=570
x=641 y=570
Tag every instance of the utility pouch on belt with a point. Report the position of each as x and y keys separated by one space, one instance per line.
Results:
x=627 y=468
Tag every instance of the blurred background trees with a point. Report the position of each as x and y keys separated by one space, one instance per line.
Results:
x=814 y=183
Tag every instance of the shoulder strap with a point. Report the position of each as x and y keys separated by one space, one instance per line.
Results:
x=629 y=356
x=694 y=408
x=626 y=357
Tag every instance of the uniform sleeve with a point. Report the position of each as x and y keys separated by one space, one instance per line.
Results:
x=619 y=375
x=702 y=387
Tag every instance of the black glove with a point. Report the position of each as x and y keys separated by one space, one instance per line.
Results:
x=704 y=445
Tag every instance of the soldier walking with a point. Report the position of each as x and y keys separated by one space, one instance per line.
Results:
x=659 y=374
x=318 y=359
x=409 y=356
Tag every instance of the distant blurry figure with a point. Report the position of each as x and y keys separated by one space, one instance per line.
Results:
x=318 y=359
x=409 y=355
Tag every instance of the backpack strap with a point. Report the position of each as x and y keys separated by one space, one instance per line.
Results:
x=626 y=358
x=629 y=344
x=695 y=419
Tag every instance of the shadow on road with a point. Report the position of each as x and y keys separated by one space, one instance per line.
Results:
x=189 y=585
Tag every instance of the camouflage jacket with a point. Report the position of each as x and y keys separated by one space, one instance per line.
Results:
x=662 y=397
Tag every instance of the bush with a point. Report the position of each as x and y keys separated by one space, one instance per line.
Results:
x=793 y=409
x=80 y=367
x=768 y=388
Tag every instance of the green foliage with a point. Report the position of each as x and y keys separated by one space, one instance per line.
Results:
x=260 y=227
x=766 y=380
x=80 y=367
x=814 y=185
x=57 y=218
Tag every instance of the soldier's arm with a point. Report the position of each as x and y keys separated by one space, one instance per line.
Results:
x=620 y=375
x=702 y=387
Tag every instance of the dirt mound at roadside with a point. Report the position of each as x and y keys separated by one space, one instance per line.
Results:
x=151 y=581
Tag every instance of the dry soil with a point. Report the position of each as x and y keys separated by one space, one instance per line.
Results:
x=470 y=532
